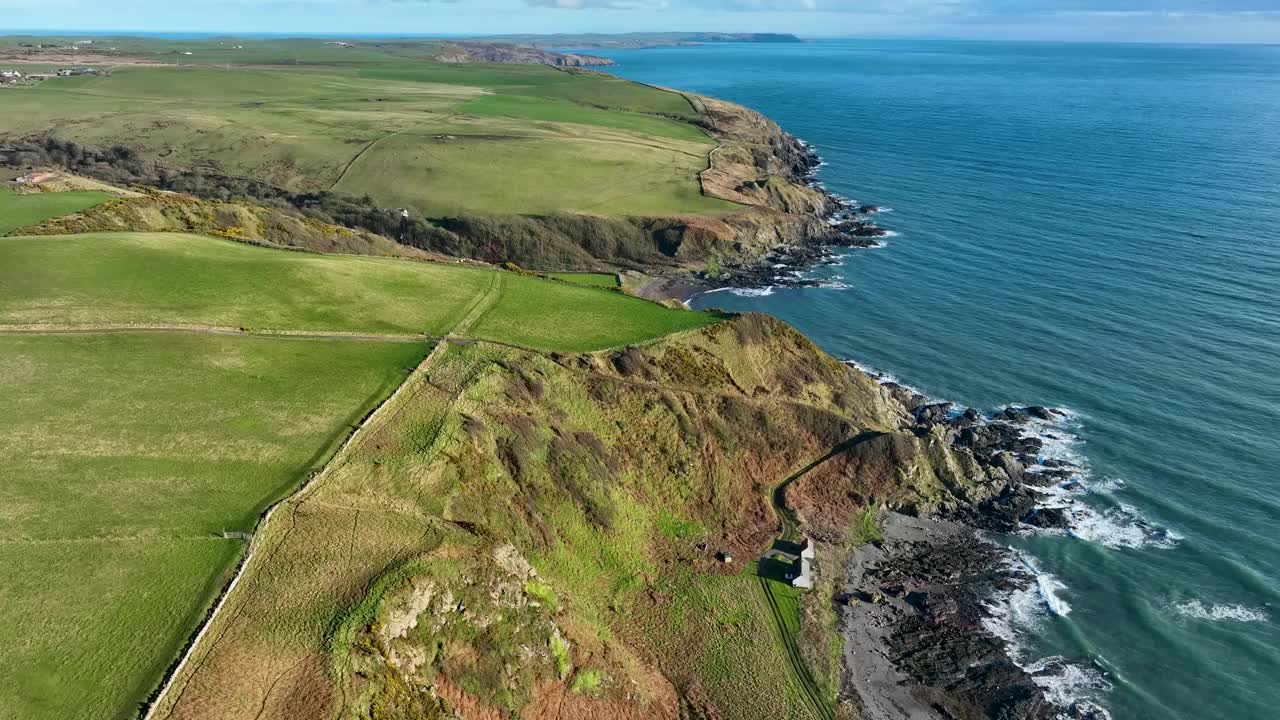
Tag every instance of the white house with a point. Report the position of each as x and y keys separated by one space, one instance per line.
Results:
x=803 y=574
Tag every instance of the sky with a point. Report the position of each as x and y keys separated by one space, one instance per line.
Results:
x=1101 y=20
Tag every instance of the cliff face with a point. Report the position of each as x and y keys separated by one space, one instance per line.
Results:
x=490 y=52
x=757 y=163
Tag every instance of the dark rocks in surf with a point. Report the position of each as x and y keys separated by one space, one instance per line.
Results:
x=783 y=265
x=932 y=582
x=860 y=229
x=937 y=591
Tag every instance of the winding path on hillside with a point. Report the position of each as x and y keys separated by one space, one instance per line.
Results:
x=788 y=533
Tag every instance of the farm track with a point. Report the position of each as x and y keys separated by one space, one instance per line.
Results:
x=790 y=523
x=388 y=407
x=795 y=659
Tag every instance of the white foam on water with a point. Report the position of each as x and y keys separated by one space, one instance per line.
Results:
x=1018 y=615
x=716 y=290
x=752 y=292
x=885 y=378
x=1236 y=613
x=891 y=234
x=1122 y=526
x=1047 y=587
x=1119 y=528
x=1014 y=615
x=1065 y=684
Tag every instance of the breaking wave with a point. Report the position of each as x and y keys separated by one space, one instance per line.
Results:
x=1016 y=616
x=1237 y=613
x=752 y=292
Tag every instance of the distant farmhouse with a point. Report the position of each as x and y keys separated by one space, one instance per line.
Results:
x=10 y=76
x=71 y=72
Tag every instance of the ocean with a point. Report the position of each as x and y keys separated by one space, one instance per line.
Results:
x=1092 y=227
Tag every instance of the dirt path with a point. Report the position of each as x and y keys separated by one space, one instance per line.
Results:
x=788 y=533
x=356 y=158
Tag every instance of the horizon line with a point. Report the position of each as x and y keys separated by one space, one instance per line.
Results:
x=193 y=34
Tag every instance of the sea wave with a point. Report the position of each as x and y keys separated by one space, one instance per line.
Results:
x=1105 y=522
x=834 y=284
x=752 y=292
x=1121 y=526
x=1237 y=613
x=1017 y=616
x=1070 y=685
x=742 y=292
x=1013 y=615
x=885 y=378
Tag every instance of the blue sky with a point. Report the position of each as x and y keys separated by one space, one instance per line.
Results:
x=1112 y=20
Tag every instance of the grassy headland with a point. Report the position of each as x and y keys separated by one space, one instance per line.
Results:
x=138 y=447
x=436 y=138
x=532 y=523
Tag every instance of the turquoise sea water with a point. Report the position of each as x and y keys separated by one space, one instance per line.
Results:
x=1093 y=227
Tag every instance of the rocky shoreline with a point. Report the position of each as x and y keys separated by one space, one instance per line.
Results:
x=846 y=224
x=919 y=607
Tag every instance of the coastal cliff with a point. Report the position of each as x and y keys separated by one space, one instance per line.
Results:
x=561 y=533
x=489 y=52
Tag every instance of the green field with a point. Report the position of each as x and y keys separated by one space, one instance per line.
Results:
x=20 y=210
x=607 y=280
x=541 y=314
x=133 y=450
x=173 y=279
x=127 y=455
x=442 y=139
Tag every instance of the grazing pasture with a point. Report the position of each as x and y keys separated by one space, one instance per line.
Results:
x=537 y=313
x=438 y=138
x=167 y=279
x=176 y=279
x=127 y=455
x=20 y=210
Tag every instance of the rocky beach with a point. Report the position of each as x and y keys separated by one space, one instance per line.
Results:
x=923 y=608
